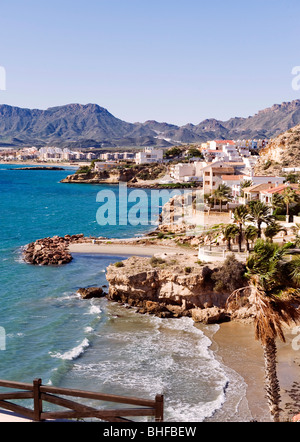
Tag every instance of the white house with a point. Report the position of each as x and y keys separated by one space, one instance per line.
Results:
x=181 y=171
x=149 y=155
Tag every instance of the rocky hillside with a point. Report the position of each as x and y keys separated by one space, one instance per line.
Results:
x=89 y=125
x=133 y=174
x=175 y=285
x=282 y=151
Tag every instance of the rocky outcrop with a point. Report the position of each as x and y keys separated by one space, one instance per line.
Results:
x=170 y=286
x=282 y=151
x=134 y=175
x=52 y=251
x=91 y=292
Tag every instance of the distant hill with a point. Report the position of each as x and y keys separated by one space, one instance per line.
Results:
x=91 y=125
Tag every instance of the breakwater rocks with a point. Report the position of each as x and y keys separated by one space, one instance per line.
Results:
x=173 y=285
x=52 y=251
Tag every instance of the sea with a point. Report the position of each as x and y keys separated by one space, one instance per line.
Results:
x=47 y=331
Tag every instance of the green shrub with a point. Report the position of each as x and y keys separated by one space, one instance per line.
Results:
x=156 y=261
x=230 y=276
x=83 y=169
x=279 y=217
x=119 y=264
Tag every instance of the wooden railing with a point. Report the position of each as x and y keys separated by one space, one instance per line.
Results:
x=42 y=393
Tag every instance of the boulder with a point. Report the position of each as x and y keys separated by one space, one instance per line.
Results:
x=213 y=315
x=91 y=292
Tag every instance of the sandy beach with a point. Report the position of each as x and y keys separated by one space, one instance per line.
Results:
x=130 y=249
x=239 y=350
x=46 y=163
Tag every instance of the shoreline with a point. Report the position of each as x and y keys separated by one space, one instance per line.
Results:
x=233 y=344
x=121 y=249
x=237 y=348
x=43 y=163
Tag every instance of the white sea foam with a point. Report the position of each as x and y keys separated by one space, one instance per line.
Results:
x=88 y=329
x=74 y=353
x=95 y=310
x=171 y=356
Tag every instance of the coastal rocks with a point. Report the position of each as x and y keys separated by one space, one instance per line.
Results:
x=137 y=175
x=213 y=315
x=88 y=178
x=175 y=286
x=52 y=251
x=91 y=292
x=48 y=251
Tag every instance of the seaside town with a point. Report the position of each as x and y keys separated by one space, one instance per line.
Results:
x=150 y=215
x=219 y=167
x=245 y=214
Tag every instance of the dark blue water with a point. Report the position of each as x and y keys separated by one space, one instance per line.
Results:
x=51 y=333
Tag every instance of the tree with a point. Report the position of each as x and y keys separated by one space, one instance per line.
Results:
x=173 y=152
x=230 y=276
x=296 y=230
x=277 y=201
x=244 y=184
x=289 y=196
x=194 y=152
x=230 y=231
x=222 y=193
x=292 y=178
x=240 y=217
x=273 y=229
x=251 y=233
x=213 y=233
x=274 y=294
x=259 y=214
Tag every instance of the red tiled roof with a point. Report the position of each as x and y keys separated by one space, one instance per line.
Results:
x=225 y=141
x=232 y=177
x=281 y=189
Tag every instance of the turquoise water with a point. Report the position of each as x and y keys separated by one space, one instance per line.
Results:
x=91 y=344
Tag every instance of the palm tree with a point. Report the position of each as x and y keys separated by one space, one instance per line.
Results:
x=222 y=193
x=259 y=213
x=273 y=229
x=213 y=233
x=240 y=217
x=251 y=233
x=244 y=184
x=296 y=230
x=289 y=196
x=274 y=293
x=277 y=201
x=230 y=232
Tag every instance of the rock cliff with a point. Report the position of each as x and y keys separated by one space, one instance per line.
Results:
x=282 y=151
x=133 y=174
x=172 y=285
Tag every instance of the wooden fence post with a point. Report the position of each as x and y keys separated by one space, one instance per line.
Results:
x=159 y=409
x=37 y=399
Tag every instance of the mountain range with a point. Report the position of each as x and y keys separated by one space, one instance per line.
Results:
x=91 y=125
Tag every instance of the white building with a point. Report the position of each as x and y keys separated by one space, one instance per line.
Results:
x=257 y=180
x=149 y=155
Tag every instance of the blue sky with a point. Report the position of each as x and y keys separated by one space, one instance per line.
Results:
x=176 y=61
